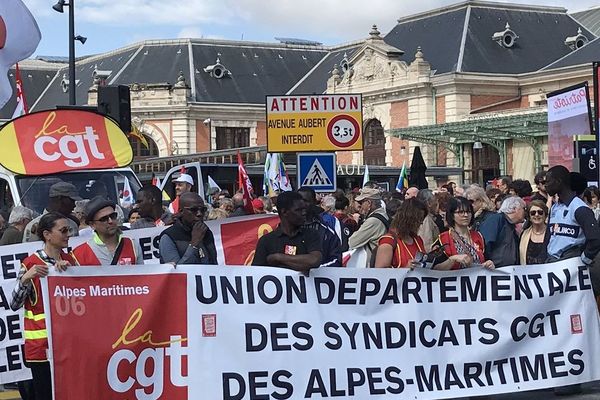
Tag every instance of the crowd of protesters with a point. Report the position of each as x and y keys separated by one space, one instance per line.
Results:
x=452 y=227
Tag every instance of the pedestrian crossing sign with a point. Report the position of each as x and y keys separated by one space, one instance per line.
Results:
x=317 y=171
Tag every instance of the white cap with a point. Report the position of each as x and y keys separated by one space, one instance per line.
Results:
x=185 y=178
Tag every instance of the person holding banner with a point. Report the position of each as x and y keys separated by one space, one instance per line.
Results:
x=462 y=246
x=107 y=245
x=534 y=239
x=188 y=240
x=401 y=245
x=53 y=230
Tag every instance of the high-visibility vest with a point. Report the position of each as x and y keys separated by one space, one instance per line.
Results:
x=36 y=336
x=84 y=254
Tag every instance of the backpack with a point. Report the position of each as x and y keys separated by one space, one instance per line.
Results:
x=386 y=223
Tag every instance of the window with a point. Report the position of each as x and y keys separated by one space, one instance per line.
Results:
x=374 y=140
x=140 y=150
x=231 y=138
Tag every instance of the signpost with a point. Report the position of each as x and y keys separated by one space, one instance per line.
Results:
x=318 y=171
x=314 y=123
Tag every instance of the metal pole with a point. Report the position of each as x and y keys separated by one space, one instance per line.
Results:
x=72 y=83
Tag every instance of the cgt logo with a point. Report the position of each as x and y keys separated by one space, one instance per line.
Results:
x=146 y=368
x=73 y=148
x=49 y=142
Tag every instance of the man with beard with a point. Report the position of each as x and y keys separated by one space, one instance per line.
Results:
x=183 y=184
x=149 y=204
x=107 y=245
x=188 y=241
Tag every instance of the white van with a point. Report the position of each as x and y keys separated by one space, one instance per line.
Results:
x=31 y=191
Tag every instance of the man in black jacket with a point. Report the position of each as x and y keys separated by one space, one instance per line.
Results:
x=188 y=241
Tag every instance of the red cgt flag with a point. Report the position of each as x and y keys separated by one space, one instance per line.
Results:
x=245 y=185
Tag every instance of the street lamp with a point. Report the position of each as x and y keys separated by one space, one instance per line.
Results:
x=59 y=7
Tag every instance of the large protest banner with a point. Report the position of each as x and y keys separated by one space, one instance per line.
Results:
x=268 y=333
x=235 y=239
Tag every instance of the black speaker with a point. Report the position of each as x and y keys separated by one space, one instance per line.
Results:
x=114 y=101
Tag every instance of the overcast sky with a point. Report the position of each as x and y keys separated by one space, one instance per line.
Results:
x=110 y=24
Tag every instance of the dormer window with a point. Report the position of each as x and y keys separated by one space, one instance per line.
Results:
x=505 y=38
x=576 y=42
x=217 y=70
x=345 y=64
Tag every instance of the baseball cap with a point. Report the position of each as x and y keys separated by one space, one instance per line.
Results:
x=257 y=204
x=64 y=189
x=368 y=194
x=185 y=178
x=94 y=205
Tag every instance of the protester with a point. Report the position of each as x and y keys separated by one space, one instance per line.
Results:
x=504 y=184
x=216 y=213
x=183 y=184
x=499 y=200
x=61 y=199
x=462 y=247
x=189 y=240
x=500 y=235
x=238 y=206
x=591 y=196
x=540 y=183
x=107 y=246
x=411 y=192
x=375 y=223
x=4 y=215
x=149 y=204
x=267 y=203
x=342 y=209
x=133 y=216
x=534 y=240
x=401 y=246
x=17 y=221
x=226 y=205
x=392 y=206
x=443 y=199
x=54 y=231
x=521 y=188
x=492 y=193
x=258 y=206
x=290 y=245
x=483 y=207
x=574 y=230
x=429 y=230
x=319 y=222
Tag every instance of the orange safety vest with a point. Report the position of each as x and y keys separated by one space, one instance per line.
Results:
x=36 y=335
x=86 y=256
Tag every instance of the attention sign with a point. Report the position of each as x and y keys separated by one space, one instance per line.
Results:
x=314 y=123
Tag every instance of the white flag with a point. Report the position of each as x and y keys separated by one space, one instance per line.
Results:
x=366 y=177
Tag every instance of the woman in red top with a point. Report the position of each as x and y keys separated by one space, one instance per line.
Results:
x=399 y=247
x=53 y=230
x=463 y=247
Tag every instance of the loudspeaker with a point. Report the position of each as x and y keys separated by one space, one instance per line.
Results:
x=114 y=101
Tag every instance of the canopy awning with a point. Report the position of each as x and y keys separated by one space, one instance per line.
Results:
x=491 y=128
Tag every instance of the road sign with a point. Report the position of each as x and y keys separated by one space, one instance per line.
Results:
x=317 y=170
x=314 y=123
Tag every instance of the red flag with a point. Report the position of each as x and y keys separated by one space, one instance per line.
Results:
x=155 y=180
x=21 y=108
x=245 y=185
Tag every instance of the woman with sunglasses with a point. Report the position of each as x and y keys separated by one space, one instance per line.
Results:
x=188 y=240
x=534 y=240
x=462 y=247
x=401 y=246
x=53 y=230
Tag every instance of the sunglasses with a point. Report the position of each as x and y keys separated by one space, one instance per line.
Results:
x=533 y=213
x=462 y=212
x=112 y=216
x=194 y=210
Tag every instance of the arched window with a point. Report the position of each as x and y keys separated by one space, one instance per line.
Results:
x=374 y=141
x=140 y=150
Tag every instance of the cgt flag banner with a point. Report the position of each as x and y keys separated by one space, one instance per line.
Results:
x=235 y=240
x=247 y=333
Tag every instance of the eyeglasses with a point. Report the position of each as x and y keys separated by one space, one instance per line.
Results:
x=112 y=216
x=462 y=212
x=533 y=213
x=194 y=210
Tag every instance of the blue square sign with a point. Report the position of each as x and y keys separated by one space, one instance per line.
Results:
x=317 y=170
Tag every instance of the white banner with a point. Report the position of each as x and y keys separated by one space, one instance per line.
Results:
x=12 y=368
x=355 y=333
